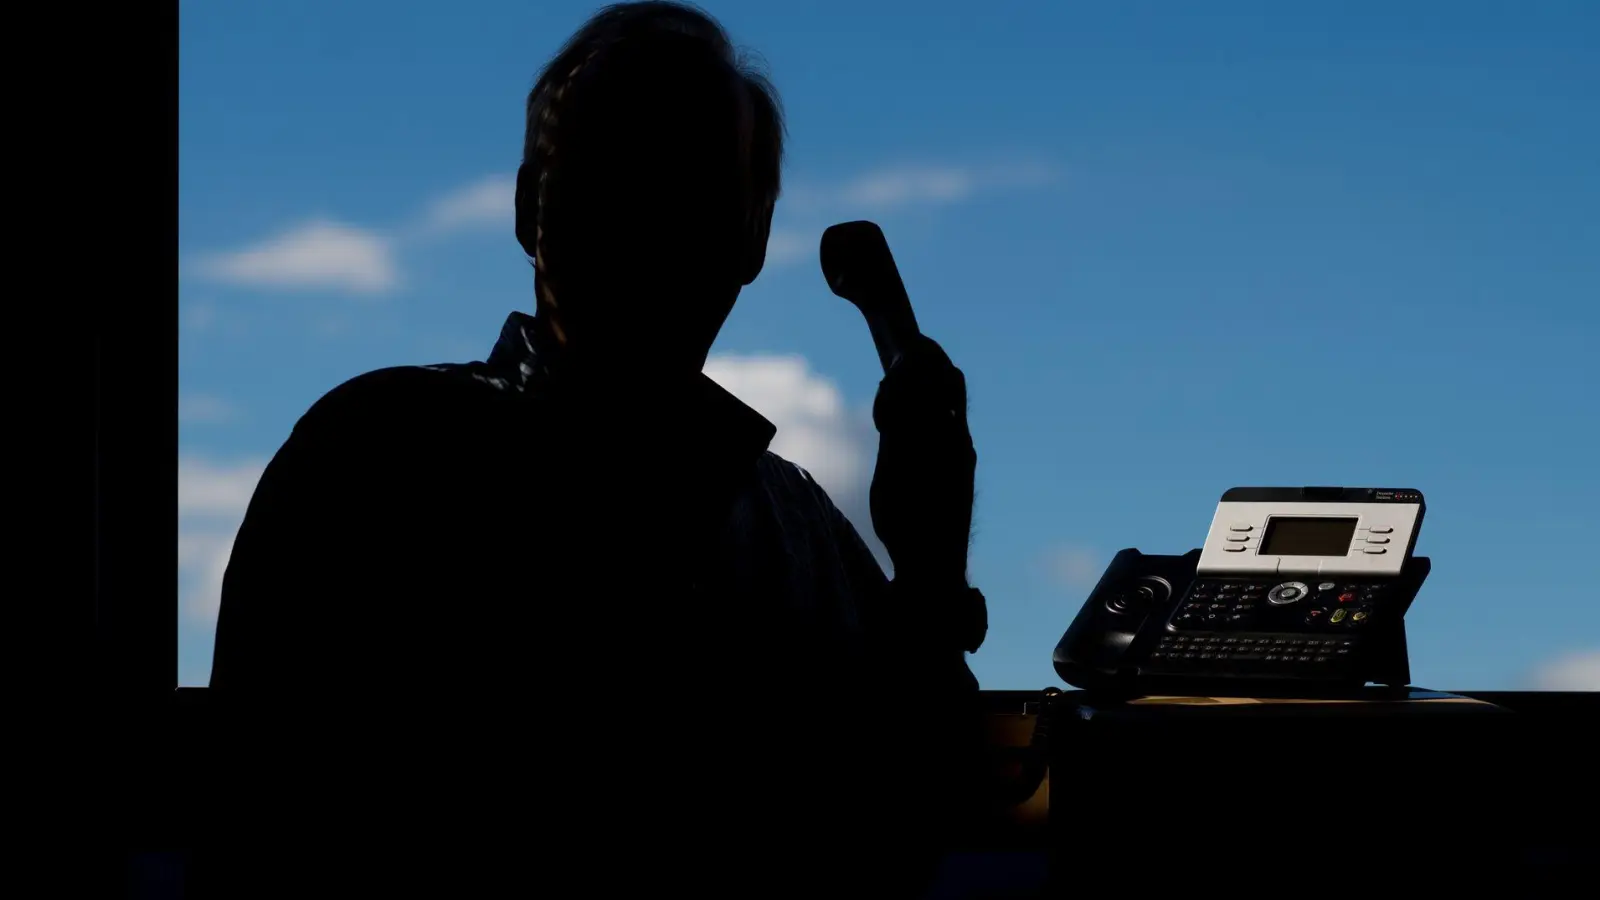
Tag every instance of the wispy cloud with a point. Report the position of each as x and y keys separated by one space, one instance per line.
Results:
x=488 y=202
x=334 y=256
x=1073 y=567
x=901 y=187
x=212 y=499
x=318 y=255
x=1575 y=672
x=789 y=245
x=894 y=188
x=206 y=488
x=323 y=254
x=205 y=408
x=808 y=208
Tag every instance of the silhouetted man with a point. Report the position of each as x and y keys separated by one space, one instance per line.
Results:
x=656 y=644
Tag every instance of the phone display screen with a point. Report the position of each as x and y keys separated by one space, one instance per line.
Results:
x=1298 y=536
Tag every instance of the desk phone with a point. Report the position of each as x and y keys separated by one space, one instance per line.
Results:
x=1293 y=586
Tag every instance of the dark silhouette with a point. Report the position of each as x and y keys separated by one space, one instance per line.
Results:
x=586 y=625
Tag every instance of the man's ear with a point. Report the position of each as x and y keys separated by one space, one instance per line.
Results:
x=756 y=252
x=527 y=206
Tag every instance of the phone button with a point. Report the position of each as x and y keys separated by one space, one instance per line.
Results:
x=1287 y=593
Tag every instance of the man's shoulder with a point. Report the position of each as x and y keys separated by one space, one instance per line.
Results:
x=791 y=483
x=417 y=399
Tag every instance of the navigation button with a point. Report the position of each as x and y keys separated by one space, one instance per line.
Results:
x=1240 y=526
x=1374 y=550
x=1377 y=540
x=1380 y=529
x=1241 y=538
x=1287 y=593
x=1237 y=549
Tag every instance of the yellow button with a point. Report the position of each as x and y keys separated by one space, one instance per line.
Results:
x=1360 y=615
x=1338 y=615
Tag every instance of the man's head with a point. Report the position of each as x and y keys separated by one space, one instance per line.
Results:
x=650 y=167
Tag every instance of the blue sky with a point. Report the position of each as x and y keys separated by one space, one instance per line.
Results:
x=1176 y=247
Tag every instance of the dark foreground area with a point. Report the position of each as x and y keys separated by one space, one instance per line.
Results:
x=1262 y=798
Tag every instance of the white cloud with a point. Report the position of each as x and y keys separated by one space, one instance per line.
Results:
x=204 y=408
x=206 y=488
x=202 y=562
x=490 y=201
x=1575 y=672
x=885 y=191
x=817 y=430
x=788 y=245
x=898 y=187
x=320 y=254
x=327 y=255
x=212 y=498
x=1070 y=566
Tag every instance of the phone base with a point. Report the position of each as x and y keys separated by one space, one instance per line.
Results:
x=1153 y=626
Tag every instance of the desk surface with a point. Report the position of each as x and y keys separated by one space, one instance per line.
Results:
x=1372 y=695
x=1368 y=702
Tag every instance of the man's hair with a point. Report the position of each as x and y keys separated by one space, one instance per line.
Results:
x=650 y=139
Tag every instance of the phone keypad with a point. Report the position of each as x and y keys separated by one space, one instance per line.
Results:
x=1259 y=654
x=1240 y=605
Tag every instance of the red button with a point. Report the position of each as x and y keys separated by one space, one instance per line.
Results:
x=1346 y=598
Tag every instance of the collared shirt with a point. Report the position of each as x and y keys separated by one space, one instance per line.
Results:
x=781 y=542
x=433 y=462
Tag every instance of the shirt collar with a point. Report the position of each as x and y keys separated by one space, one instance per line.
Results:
x=522 y=354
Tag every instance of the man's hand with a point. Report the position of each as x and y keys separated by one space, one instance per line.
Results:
x=922 y=489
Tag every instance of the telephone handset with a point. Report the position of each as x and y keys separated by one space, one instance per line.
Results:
x=1294 y=589
x=859 y=267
